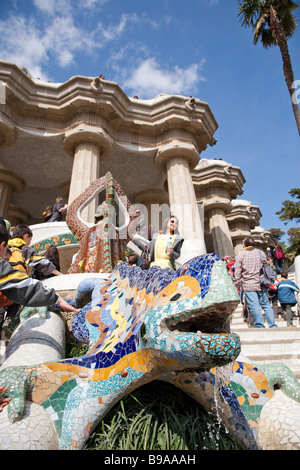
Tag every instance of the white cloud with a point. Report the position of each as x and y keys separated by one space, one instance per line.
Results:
x=92 y=3
x=110 y=32
x=52 y=6
x=55 y=36
x=25 y=48
x=149 y=79
x=62 y=7
x=63 y=39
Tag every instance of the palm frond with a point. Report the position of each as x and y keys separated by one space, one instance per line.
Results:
x=256 y=14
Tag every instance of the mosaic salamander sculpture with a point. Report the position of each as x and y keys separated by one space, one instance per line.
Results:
x=140 y=326
x=101 y=245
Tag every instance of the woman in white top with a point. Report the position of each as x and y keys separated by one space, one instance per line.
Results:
x=165 y=247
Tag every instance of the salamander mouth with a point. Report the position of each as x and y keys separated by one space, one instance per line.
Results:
x=214 y=319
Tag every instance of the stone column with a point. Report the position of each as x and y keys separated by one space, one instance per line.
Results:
x=220 y=232
x=154 y=205
x=7 y=132
x=242 y=218
x=217 y=204
x=177 y=159
x=216 y=182
x=17 y=216
x=9 y=183
x=88 y=145
x=260 y=239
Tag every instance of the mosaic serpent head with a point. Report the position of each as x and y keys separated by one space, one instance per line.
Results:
x=140 y=326
x=182 y=314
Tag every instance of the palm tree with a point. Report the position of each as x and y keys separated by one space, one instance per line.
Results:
x=274 y=24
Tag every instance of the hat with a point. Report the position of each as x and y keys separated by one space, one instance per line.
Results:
x=129 y=252
x=226 y=257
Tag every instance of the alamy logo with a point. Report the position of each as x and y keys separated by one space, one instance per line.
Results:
x=296 y=94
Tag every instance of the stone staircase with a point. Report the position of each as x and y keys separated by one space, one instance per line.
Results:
x=267 y=345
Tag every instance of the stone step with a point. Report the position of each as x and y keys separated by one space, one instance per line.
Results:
x=269 y=345
x=274 y=345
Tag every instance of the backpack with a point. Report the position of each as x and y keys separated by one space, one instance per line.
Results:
x=267 y=274
x=4 y=301
x=17 y=261
x=279 y=253
x=47 y=213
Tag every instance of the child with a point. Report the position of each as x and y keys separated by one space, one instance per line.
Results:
x=20 y=288
x=286 y=295
x=20 y=241
x=24 y=257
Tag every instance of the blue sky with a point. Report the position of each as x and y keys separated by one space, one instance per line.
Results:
x=186 y=47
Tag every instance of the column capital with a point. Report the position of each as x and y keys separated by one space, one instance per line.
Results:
x=152 y=196
x=216 y=201
x=84 y=134
x=16 y=182
x=16 y=215
x=176 y=149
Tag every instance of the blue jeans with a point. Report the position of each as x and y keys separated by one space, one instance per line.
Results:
x=257 y=300
x=278 y=265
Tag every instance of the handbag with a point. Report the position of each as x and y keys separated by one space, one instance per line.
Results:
x=267 y=274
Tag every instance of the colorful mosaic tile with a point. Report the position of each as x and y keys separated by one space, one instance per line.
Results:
x=148 y=325
x=101 y=246
x=139 y=325
x=65 y=239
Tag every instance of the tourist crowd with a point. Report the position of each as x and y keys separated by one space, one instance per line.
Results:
x=274 y=296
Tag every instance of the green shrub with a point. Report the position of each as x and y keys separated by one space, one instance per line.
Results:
x=159 y=416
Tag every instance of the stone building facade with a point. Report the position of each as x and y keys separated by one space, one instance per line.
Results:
x=56 y=138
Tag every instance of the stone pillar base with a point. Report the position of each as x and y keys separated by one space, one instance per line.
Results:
x=190 y=249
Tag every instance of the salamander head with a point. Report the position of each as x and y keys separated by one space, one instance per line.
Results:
x=182 y=314
x=189 y=316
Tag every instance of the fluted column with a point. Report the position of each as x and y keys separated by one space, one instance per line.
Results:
x=154 y=205
x=242 y=218
x=177 y=159
x=9 y=183
x=88 y=145
x=16 y=215
x=216 y=183
x=7 y=132
x=220 y=232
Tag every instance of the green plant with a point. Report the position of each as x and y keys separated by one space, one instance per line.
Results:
x=159 y=416
x=76 y=349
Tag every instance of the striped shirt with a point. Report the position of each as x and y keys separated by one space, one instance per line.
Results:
x=247 y=269
x=24 y=290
